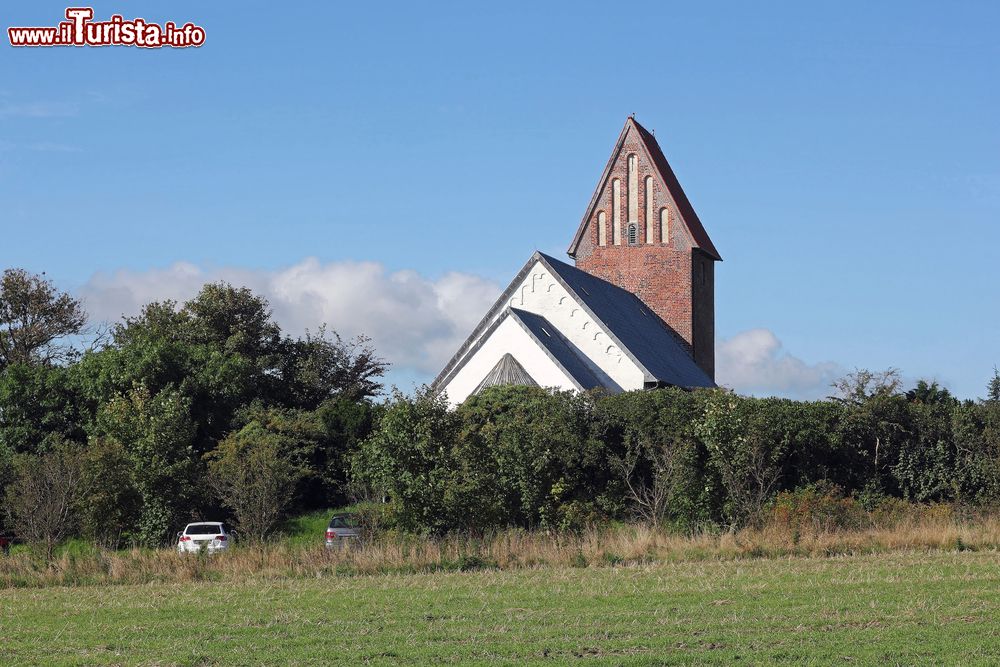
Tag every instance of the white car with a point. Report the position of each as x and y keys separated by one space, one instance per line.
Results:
x=211 y=536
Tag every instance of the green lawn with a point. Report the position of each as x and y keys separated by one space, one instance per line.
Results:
x=901 y=608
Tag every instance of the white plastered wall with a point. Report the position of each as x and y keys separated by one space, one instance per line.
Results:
x=511 y=337
x=542 y=294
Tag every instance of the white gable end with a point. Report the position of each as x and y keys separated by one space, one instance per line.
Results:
x=542 y=294
x=593 y=333
x=508 y=337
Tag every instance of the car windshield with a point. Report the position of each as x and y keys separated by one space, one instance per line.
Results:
x=204 y=529
x=342 y=522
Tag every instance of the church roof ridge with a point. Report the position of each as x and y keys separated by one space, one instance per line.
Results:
x=557 y=348
x=636 y=331
x=545 y=334
x=702 y=240
x=491 y=316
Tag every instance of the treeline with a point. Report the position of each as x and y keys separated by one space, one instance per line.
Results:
x=186 y=411
x=692 y=460
x=207 y=409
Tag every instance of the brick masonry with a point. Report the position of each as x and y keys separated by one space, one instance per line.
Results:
x=671 y=276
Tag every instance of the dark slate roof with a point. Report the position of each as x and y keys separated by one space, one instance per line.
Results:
x=507 y=372
x=698 y=233
x=492 y=318
x=640 y=333
x=558 y=348
x=542 y=332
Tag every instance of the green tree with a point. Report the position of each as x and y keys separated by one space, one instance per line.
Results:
x=168 y=348
x=993 y=387
x=157 y=435
x=930 y=394
x=322 y=366
x=235 y=320
x=407 y=460
x=255 y=473
x=222 y=351
x=346 y=424
x=35 y=318
x=863 y=385
x=39 y=404
x=111 y=506
x=42 y=501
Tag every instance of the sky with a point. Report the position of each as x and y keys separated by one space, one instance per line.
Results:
x=387 y=168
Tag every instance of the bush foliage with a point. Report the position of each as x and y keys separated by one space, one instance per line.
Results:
x=708 y=459
x=184 y=412
x=207 y=409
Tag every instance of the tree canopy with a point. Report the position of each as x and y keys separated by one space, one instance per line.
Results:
x=35 y=319
x=175 y=383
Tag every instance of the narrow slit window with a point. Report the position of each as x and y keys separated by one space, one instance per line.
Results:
x=649 y=210
x=616 y=211
x=633 y=188
x=602 y=228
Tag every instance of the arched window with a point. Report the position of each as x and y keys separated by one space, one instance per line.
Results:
x=665 y=225
x=616 y=211
x=633 y=188
x=602 y=228
x=633 y=233
x=649 y=210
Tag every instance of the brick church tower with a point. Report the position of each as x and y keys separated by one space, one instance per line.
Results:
x=641 y=233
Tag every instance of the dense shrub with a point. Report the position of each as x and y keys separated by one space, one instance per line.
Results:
x=42 y=501
x=156 y=433
x=409 y=461
x=113 y=502
x=691 y=460
x=510 y=456
x=150 y=404
x=210 y=394
x=532 y=450
x=816 y=508
x=659 y=466
x=255 y=473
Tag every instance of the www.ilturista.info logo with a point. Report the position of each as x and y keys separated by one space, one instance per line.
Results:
x=81 y=30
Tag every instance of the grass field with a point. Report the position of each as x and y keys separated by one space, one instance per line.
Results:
x=893 y=608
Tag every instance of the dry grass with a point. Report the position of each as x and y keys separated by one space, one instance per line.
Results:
x=935 y=528
x=903 y=608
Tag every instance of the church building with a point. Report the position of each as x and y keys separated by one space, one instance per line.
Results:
x=637 y=310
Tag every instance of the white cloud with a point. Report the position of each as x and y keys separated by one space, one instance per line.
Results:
x=416 y=323
x=755 y=362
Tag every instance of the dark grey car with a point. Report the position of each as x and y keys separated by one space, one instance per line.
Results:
x=342 y=529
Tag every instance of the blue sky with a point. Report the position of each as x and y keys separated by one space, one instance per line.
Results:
x=845 y=158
